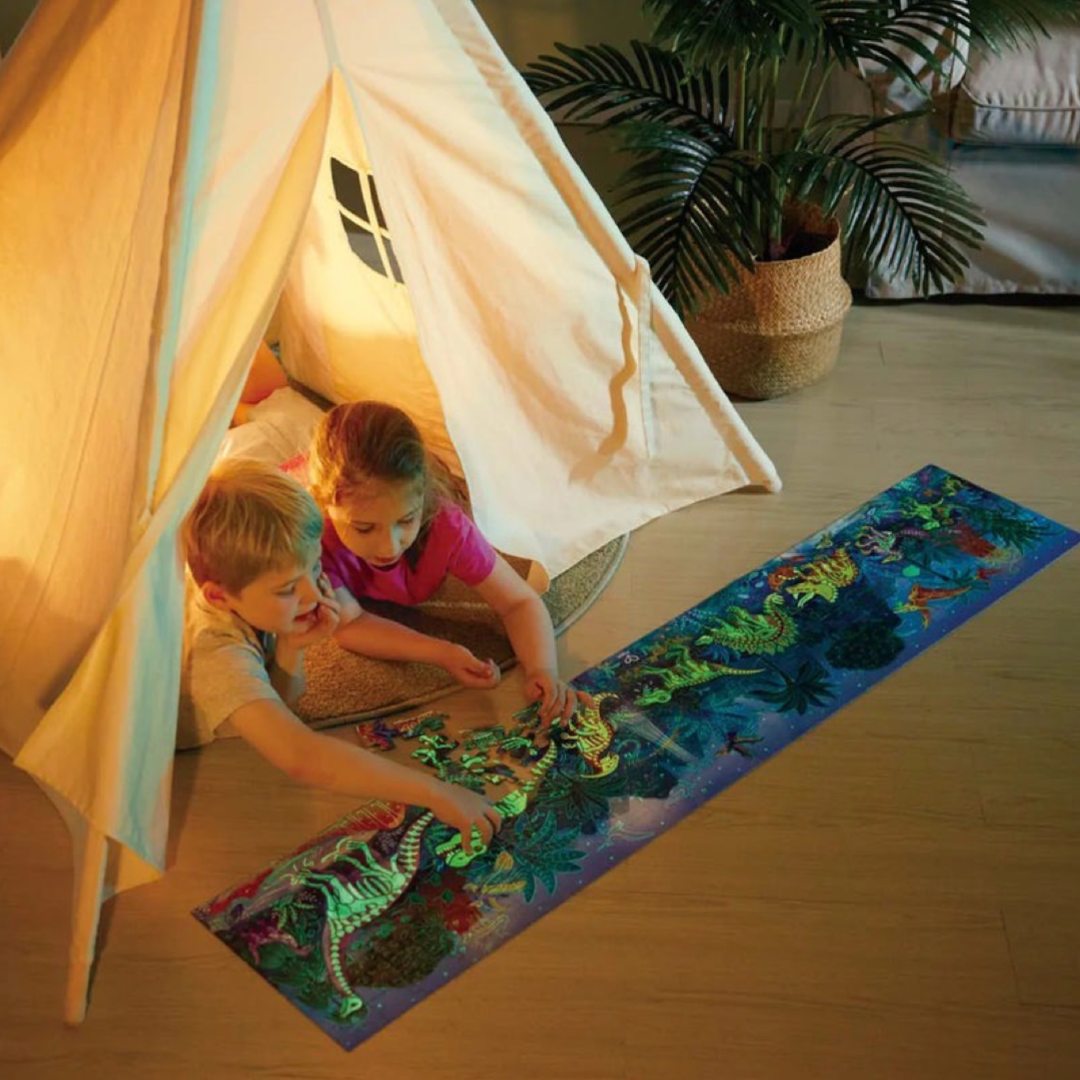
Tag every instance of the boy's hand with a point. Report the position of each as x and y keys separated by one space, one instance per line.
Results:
x=462 y=809
x=556 y=698
x=327 y=617
x=468 y=669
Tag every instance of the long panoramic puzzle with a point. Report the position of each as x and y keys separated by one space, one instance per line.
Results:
x=384 y=907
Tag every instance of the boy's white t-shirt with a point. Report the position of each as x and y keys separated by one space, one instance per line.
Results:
x=225 y=666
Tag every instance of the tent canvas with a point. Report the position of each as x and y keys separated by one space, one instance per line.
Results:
x=377 y=174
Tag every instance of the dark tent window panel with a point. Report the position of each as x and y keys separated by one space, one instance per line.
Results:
x=349 y=189
x=395 y=270
x=375 y=202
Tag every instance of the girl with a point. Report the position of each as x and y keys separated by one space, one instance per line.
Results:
x=393 y=531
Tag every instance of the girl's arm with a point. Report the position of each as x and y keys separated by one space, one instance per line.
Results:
x=528 y=626
x=383 y=639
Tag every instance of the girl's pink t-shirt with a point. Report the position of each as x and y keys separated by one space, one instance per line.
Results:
x=454 y=545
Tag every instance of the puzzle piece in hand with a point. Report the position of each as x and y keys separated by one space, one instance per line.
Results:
x=509 y=806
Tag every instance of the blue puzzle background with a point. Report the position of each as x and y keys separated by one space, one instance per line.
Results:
x=680 y=714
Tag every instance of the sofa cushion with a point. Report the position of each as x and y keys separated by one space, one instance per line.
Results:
x=1026 y=97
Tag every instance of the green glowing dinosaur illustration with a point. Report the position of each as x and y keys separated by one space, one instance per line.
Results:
x=824 y=577
x=932 y=515
x=353 y=904
x=687 y=671
x=591 y=735
x=769 y=631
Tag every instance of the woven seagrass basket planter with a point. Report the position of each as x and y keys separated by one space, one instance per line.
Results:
x=779 y=329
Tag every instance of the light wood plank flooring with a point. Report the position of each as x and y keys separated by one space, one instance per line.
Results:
x=895 y=895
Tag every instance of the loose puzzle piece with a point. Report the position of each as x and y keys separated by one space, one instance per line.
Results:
x=382 y=732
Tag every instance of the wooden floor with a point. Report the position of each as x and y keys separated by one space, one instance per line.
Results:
x=895 y=896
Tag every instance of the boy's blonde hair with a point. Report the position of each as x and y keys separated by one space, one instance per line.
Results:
x=250 y=518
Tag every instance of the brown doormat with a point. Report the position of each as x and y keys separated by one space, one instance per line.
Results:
x=343 y=687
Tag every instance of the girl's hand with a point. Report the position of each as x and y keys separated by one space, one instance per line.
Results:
x=557 y=698
x=468 y=670
x=462 y=809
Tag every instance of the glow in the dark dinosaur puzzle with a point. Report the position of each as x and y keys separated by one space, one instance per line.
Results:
x=384 y=907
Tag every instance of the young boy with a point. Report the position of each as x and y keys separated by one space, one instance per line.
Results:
x=252 y=543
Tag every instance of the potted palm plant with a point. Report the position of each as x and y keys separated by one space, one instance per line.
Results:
x=740 y=209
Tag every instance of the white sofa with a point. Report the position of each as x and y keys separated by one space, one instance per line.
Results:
x=1009 y=128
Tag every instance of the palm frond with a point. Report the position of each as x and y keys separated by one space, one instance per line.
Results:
x=684 y=209
x=935 y=31
x=884 y=32
x=603 y=86
x=1012 y=24
x=704 y=32
x=714 y=170
x=900 y=211
x=838 y=130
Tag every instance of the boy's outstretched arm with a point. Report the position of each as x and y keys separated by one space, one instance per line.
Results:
x=305 y=755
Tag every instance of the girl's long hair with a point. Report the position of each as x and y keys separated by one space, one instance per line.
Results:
x=365 y=441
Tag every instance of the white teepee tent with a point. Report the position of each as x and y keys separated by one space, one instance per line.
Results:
x=169 y=172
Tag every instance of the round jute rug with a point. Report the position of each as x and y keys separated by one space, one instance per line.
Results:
x=343 y=687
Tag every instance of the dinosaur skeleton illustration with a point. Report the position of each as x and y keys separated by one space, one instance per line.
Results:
x=353 y=903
